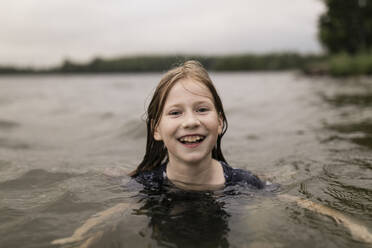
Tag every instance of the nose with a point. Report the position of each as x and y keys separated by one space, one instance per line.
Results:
x=190 y=121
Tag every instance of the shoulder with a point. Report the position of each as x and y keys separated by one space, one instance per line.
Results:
x=240 y=177
x=153 y=178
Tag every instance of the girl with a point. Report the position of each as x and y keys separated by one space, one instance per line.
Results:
x=185 y=126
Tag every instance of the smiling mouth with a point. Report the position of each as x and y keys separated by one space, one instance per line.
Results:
x=192 y=139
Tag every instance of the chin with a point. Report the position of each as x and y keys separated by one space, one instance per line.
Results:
x=195 y=159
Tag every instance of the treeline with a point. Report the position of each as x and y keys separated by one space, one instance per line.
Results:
x=16 y=70
x=345 y=31
x=158 y=63
x=344 y=64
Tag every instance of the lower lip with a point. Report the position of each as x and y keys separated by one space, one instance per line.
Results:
x=191 y=145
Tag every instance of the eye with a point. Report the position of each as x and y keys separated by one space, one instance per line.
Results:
x=203 y=109
x=174 y=112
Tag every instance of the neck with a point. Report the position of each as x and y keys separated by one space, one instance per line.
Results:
x=205 y=172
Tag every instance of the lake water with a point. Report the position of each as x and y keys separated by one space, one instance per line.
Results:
x=65 y=141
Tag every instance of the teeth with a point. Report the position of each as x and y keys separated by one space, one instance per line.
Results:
x=191 y=138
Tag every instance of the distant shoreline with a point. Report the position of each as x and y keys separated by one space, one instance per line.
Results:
x=339 y=65
x=160 y=63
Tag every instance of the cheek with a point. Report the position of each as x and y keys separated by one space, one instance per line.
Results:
x=216 y=122
x=168 y=129
x=213 y=125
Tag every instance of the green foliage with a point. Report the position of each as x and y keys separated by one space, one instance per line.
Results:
x=249 y=62
x=126 y=64
x=346 y=26
x=15 y=70
x=346 y=65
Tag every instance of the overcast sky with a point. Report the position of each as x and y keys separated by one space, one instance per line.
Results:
x=44 y=32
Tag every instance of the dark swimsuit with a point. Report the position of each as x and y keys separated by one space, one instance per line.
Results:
x=157 y=177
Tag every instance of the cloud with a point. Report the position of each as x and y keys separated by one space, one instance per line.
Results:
x=38 y=32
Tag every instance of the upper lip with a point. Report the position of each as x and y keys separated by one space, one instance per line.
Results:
x=187 y=135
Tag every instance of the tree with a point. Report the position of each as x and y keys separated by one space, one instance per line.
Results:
x=346 y=26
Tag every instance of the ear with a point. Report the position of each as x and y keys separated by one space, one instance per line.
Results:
x=157 y=135
x=220 y=124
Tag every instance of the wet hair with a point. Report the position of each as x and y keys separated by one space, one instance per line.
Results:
x=156 y=152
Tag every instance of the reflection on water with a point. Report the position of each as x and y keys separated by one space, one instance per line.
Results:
x=59 y=135
x=358 y=133
x=340 y=100
x=176 y=219
x=187 y=220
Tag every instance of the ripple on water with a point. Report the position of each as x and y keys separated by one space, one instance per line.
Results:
x=37 y=178
x=134 y=129
x=69 y=202
x=8 y=125
x=5 y=165
x=106 y=115
x=351 y=199
x=33 y=189
x=13 y=144
x=349 y=185
x=359 y=133
x=30 y=232
x=293 y=170
x=341 y=100
x=9 y=215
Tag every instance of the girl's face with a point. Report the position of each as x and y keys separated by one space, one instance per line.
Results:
x=189 y=125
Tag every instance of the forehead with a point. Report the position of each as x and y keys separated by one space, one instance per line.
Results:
x=189 y=89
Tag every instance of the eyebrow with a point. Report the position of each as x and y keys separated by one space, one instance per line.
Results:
x=196 y=103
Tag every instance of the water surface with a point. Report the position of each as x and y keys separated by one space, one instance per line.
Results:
x=65 y=141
